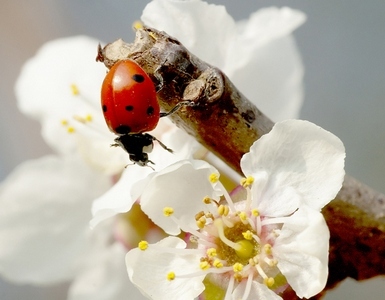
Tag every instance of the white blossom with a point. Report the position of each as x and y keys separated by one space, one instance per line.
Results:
x=253 y=248
x=46 y=204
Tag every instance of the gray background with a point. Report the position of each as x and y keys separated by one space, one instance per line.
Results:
x=343 y=49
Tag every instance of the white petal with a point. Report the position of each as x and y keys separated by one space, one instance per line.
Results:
x=44 y=84
x=148 y=270
x=71 y=122
x=269 y=24
x=264 y=62
x=268 y=197
x=258 y=291
x=103 y=272
x=118 y=199
x=183 y=145
x=181 y=186
x=301 y=156
x=204 y=29
x=273 y=79
x=44 y=215
x=91 y=141
x=302 y=252
x=122 y=195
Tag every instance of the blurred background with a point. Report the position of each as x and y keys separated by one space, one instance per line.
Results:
x=342 y=45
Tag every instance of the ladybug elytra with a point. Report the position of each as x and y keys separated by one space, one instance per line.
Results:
x=130 y=107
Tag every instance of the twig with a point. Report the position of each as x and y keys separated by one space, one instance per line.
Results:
x=227 y=124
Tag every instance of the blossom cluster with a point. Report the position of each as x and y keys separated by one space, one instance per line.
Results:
x=272 y=236
x=73 y=215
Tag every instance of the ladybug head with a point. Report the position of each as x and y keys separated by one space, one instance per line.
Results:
x=137 y=146
x=141 y=159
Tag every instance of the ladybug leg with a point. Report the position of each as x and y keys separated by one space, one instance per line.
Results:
x=176 y=108
x=163 y=145
x=160 y=143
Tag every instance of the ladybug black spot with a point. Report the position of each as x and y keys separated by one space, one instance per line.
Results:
x=104 y=108
x=123 y=129
x=150 y=111
x=138 y=78
x=129 y=108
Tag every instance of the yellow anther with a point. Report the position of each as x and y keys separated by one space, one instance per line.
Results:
x=245 y=182
x=237 y=267
x=223 y=210
x=64 y=122
x=238 y=277
x=206 y=200
x=214 y=177
x=209 y=215
x=269 y=282
x=143 y=245
x=252 y=262
x=137 y=25
x=218 y=264
x=201 y=222
x=211 y=252
x=204 y=265
x=267 y=248
x=70 y=129
x=74 y=90
x=168 y=211
x=248 y=235
x=170 y=276
x=242 y=215
x=255 y=212
x=88 y=118
x=199 y=215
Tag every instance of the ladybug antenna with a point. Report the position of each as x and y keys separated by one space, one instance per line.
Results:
x=100 y=56
x=175 y=109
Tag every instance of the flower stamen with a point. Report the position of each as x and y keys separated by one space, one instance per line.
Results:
x=170 y=276
x=74 y=89
x=168 y=211
x=143 y=245
x=214 y=177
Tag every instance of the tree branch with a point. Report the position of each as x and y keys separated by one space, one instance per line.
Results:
x=227 y=124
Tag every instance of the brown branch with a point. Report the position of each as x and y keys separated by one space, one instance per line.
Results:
x=226 y=123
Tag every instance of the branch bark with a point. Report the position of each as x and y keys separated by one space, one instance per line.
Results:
x=227 y=124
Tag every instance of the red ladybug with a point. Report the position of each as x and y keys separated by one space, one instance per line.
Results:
x=131 y=108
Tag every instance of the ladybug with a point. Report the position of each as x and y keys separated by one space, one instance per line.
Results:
x=131 y=108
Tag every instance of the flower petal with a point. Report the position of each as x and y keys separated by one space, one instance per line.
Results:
x=60 y=87
x=148 y=270
x=181 y=186
x=120 y=197
x=44 y=84
x=299 y=156
x=103 y=273
x=302 y=251
x=258 y=291
x=117 y=199
x=45 y=209
x=205 y=29
x=268 y=69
